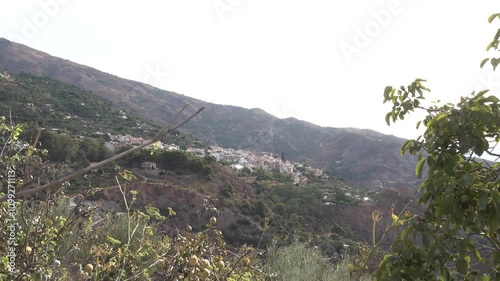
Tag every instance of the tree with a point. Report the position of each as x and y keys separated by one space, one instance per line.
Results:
x=458 y=235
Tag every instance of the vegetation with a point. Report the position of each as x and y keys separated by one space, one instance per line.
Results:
x=458 y=235
x=289 y=213
x=56 y=242
x=66 y=149
x=68 y=110
x=298 y=262
x=174 y=160
x=50 y=238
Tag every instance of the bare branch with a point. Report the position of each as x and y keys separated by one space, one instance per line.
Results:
x=29 y=153
x=493 y=154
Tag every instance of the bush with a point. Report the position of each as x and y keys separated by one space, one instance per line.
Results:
x=337 y=229
x=227 y=189
x=261 y=208
x=298 y=262
x=58 y=243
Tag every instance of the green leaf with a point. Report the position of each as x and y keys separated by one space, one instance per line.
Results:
x=438 y=214
x=406 y=146
x=492 y=99
x=415 y=274
x=496 y=257
x=474 y=250
x=468 y=178
x=154 y=212
x=490 y=45
x=382 y=267
x=485 y=278
x=445 y=272
x=482 y=202
x=483 y=62
x=492 y=17
x=462 y=266
x=113 y=240
x=462 y=248
x=425 y=240
x=388 y=118
x=436 y=118
x=419 y=167
x=495 y=62
x=387 y=92
x=404 y=237
x=494 y=215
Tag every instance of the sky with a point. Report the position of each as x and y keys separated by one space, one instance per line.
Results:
x=322 y=61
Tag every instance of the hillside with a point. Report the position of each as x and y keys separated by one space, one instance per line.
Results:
x=54 y=104
x=57 y=106
x=289 y=212
x=363 y=157
x=255 y=207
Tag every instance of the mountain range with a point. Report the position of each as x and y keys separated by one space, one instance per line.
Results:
x=362 y=157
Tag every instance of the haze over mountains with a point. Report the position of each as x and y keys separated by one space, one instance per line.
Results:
x=363 y=157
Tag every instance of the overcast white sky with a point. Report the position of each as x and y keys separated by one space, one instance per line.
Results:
x=322 y=61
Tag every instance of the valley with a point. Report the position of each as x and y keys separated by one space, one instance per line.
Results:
x=270 y=180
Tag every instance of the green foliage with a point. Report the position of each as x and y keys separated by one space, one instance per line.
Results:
x=493 y=45
x=261 y=208
x=58 y=242
x=52 y=104
x=298 y=262
x=263 y=175
x=227 y=189
x=66 y=149
x=245 y=171
x=51 y=239
x=337 y=229
x=176 y=160
x=300 y=213
x=460 y=227
x=55 y=242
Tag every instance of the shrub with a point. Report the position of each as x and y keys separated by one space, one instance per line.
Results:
x=298 y=262
x=227 y=189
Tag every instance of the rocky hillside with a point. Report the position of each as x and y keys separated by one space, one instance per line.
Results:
x=284 y=210
x=363 y=157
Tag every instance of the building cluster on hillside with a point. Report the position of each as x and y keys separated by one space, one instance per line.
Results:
x=242 y=158
x=238 y=159
x=126 y=139
x=120 y=140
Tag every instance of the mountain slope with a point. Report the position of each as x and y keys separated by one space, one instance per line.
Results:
x=364 y=157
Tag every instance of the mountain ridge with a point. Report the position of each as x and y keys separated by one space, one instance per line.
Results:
x=350 y=153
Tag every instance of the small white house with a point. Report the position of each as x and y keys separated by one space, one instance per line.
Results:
x=148 y=166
